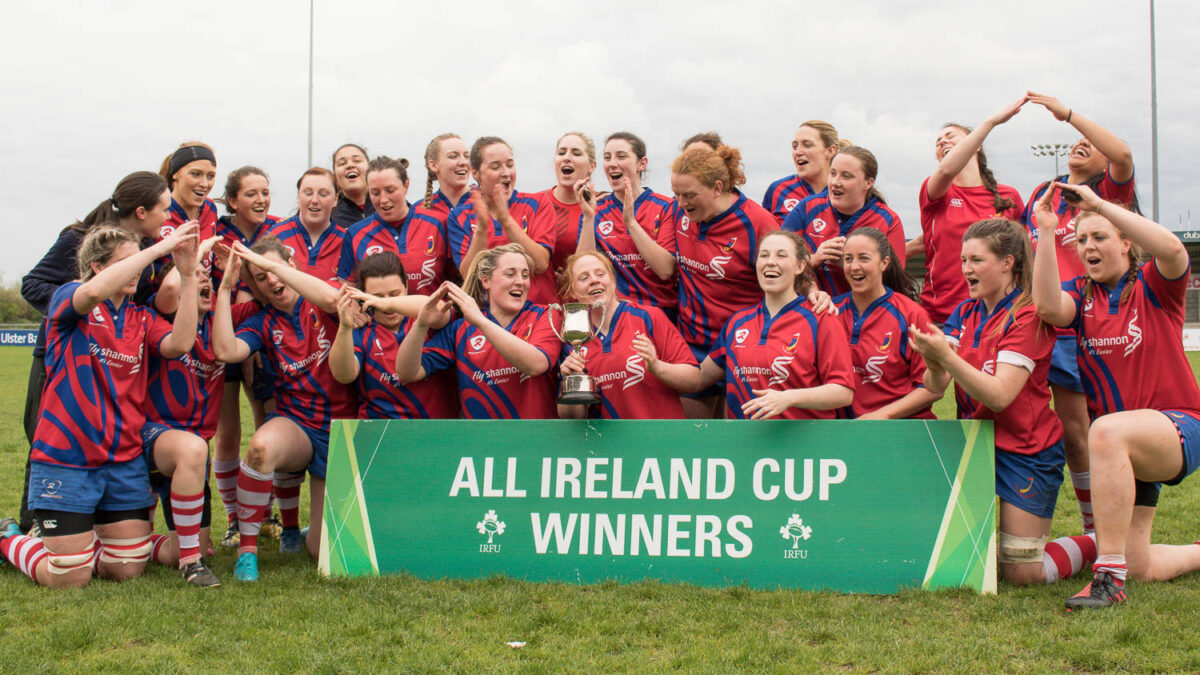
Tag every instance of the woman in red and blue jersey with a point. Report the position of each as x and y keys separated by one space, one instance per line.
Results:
x=497 y=214
x=190 y=173
x=448 y=162
x=412 y=232
x=366 y=354
x=876 y=314
x=1104 y=163
x=780 y=357
x=294 y=330
x=310 y=236
x=1146 y=406
x=248 y=203
x=350 y=181
x=502 y=353
x=813 y=147
x=713 y=237
x=88 y=477
x=960 y=192
x=998 y=352
x=849 y=202
x=630 y=236
x=574 y=161
x=638 y=359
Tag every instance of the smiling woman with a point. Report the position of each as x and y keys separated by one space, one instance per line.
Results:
x=574 y=161
x=350 y=178
x=310 y=235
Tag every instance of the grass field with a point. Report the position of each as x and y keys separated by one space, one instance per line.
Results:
x=294 y=620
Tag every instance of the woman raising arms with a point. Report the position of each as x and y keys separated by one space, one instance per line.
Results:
x=501 y=352
x=1146 y=428
x=497 y=214
x=1104 y=163
x=999 y=370
x=779 y=358
x=850 y=202
x=961 y=191
x=876 y=314
x=639 y=360
x=630 y=235
x=813 y=147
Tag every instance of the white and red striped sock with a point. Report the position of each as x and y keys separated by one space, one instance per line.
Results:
x=253 y=490
x=157 y=542
x=227 y=483
x=24 y=553
x=186 y=511
x=1082 y=482
x=287 y=492
x=1066 y=556
x=1114 y=565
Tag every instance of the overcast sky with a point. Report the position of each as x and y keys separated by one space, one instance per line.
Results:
x=95 y=90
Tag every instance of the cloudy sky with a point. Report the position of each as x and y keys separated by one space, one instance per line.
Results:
x=95 y=90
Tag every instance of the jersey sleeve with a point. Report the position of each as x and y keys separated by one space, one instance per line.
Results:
x=542 y=227
x=1169 y=292
x=925 y=201
x=953 y=325
x=666 y=228
x=1026 y=341
x=720 y=345
x=438 y=352
x=458 y=234
x=1112 y=191
x=834 y=364
x=360 y=348
x=251 y=331
x=544 y=339
x=916 y=362
x=1072 y=287
x=157 y=330
x=794 y=222
x=61 y=309
x=345 y=266
x=895 y=237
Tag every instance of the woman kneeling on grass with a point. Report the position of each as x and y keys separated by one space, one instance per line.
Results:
x=998 y=352
x=1146 y=428
x=90 y=490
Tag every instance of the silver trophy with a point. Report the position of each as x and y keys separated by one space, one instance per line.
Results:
x=578 y=389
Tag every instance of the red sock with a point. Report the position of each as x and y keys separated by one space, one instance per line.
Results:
x=1081 y=481
x=1114 y=565
x=24 y=553
x=1066 y=556
x=186 y=511
x=287 y=493
x=254 y=489
x=157 y=541
x=227 y=482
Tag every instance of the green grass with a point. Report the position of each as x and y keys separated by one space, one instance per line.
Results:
x=294 y=620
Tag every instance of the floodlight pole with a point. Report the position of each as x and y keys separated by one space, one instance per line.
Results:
x=310 y=81
x=1153 y=116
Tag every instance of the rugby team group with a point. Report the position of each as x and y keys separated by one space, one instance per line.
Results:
x=162 y=314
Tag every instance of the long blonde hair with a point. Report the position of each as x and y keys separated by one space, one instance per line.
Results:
x=484 y=265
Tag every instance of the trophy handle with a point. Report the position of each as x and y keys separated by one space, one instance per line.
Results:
x=603 y=315
x=553 y=326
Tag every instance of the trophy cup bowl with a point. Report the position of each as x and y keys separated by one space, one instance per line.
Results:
x=580 y=388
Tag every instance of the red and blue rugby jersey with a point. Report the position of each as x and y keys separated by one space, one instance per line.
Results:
x=944 y=221
x=817 y=221
x=1130 y=353
x=93 y=401
x=635 y=280
x=319 y=258
x=1069 y=263
x=297 y=347
x=715 y=261
x=489 y=387
x=795 y=349
x=628 y=390
x=185 y=393
x=419 y=241
x=229 y=233
x=381 y=395
x=567 y=220
x=886 y=369
x=1027 y=426
x=784 y=194
x=440 y=206
x=207 y=219
x=535 y=215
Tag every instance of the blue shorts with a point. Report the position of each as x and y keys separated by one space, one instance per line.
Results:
x=1031 y=482
x=1064 y=364
x=112 y=487
x=318 y=438
x=1189 y=440
x=717 y=389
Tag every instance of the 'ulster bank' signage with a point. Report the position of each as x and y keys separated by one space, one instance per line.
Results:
x=853 y=506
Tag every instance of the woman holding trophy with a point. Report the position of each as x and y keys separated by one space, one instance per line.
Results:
x=502 y=346
x=780 y=358
x=635 y=361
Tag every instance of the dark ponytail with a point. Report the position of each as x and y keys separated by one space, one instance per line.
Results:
x=140 y=188
x=989 y=181
x=894 y=276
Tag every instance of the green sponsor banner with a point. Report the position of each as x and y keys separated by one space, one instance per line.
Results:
x=862 y=507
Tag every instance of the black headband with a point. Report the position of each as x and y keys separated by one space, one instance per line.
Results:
x=188 y=154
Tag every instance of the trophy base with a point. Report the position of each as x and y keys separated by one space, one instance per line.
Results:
x=578 y=390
